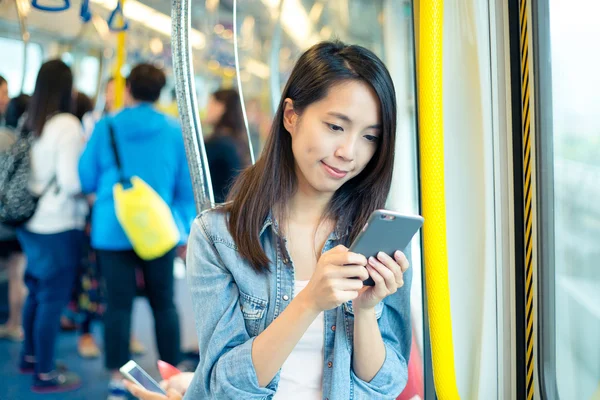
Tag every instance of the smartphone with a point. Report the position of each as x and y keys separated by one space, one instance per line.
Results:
x=137 y=375
x=386 y=231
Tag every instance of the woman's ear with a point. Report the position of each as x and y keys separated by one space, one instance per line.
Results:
x=289 y=116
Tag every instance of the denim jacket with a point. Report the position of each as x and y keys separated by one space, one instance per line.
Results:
x=233 y=304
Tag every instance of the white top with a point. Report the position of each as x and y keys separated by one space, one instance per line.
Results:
x=56 y=154
x=302 y=373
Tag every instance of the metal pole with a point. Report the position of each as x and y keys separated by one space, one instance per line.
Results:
x=187 y=103
x=239 y=79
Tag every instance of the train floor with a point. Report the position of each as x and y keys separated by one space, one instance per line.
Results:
x=15 y=386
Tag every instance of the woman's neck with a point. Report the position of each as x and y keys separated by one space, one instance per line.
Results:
x=306 y=205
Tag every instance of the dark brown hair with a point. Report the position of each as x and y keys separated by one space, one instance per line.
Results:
x=272 y=180
x=145 y=82
x=231 y=122
x=83 y=105
x=52 y=95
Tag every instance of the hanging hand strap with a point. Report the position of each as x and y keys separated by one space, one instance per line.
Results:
x=118 y=11
x=84 y=12
x=64 y=7
x=113 y=144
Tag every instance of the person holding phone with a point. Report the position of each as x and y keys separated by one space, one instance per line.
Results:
x=280 y=306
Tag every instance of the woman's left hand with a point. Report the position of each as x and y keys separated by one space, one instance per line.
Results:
x=388 y=275
x=143 y=394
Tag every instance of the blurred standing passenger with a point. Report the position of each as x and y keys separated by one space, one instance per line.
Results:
x=10 y=249
x=51 y=239
x=4 y=99
x=227 y=147
x=90 y=119
x=150 y=145
x=85 y=304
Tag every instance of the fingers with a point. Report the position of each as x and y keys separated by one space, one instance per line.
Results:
x=350 y=284
x=349 y=271
x=173 y=394
x=391 y=264
x=346 y=258
x=388 y=278
x=345 y=296
x=401 y=259
x=142 y=393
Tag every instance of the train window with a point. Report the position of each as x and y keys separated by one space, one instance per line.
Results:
x=86 y=78
x=576 y=177
x=13 y=67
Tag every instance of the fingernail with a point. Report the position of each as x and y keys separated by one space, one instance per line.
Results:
x=398 y=253
x=381 y=254
x=371 y=260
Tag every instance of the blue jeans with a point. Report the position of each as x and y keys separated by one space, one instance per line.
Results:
x=52 y=262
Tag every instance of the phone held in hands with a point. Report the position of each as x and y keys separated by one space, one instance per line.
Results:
x=137 y=375
x=386 y=231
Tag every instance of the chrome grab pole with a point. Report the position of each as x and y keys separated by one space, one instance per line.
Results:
x=187 y=103
x=239 y=80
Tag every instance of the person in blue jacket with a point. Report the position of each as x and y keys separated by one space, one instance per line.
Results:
x=150 y=146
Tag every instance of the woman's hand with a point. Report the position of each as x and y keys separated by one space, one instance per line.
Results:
x=334 y=281
x=180 y=382
x=143 y=394
x=388 y=275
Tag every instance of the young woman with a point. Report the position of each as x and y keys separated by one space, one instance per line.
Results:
x=51 y=239
x=279 y=309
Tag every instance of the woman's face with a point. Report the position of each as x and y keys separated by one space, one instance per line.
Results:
x=4 y=99
x=214 y=111
x=334 y=139
x=109 y=96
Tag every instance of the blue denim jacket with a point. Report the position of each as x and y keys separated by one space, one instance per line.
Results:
x=233 y=304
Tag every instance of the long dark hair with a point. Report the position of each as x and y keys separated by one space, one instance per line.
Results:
x=231 y=123
x=15 y=110
x=52 y=95
x=272 y=180
x=83 y=105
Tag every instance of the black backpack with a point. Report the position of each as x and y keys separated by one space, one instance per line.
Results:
x=17 y=202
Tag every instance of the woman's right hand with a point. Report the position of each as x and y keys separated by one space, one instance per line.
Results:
x=338 y=277
x=179 y=382
x=143 y=394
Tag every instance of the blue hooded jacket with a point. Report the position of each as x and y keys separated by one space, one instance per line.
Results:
x=150 y=146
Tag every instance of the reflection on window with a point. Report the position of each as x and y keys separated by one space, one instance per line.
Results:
x=12 y=67
x=576 y=102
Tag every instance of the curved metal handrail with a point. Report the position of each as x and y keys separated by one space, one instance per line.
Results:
x=187 y=103
x=239 y=79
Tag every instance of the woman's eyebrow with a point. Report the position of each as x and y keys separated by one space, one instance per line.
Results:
x=347 y=119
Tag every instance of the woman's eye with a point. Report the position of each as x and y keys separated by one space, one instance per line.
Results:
x=372 y=138
x=334 y=127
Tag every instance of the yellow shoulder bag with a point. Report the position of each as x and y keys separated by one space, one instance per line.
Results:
x=144 y=216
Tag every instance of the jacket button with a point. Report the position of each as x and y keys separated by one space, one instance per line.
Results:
x=333 y=328
x=286 y=297
x=330 y=364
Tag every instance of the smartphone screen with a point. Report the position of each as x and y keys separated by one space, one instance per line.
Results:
x=143 y=379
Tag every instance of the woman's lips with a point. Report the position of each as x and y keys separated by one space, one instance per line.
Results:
x=334 y=172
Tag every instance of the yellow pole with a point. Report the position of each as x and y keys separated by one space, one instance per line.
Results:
x=121 y=56
x=431 y=126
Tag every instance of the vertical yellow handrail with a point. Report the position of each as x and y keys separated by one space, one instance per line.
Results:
x=527 y=106
x=120 y=61
x=431 y=137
